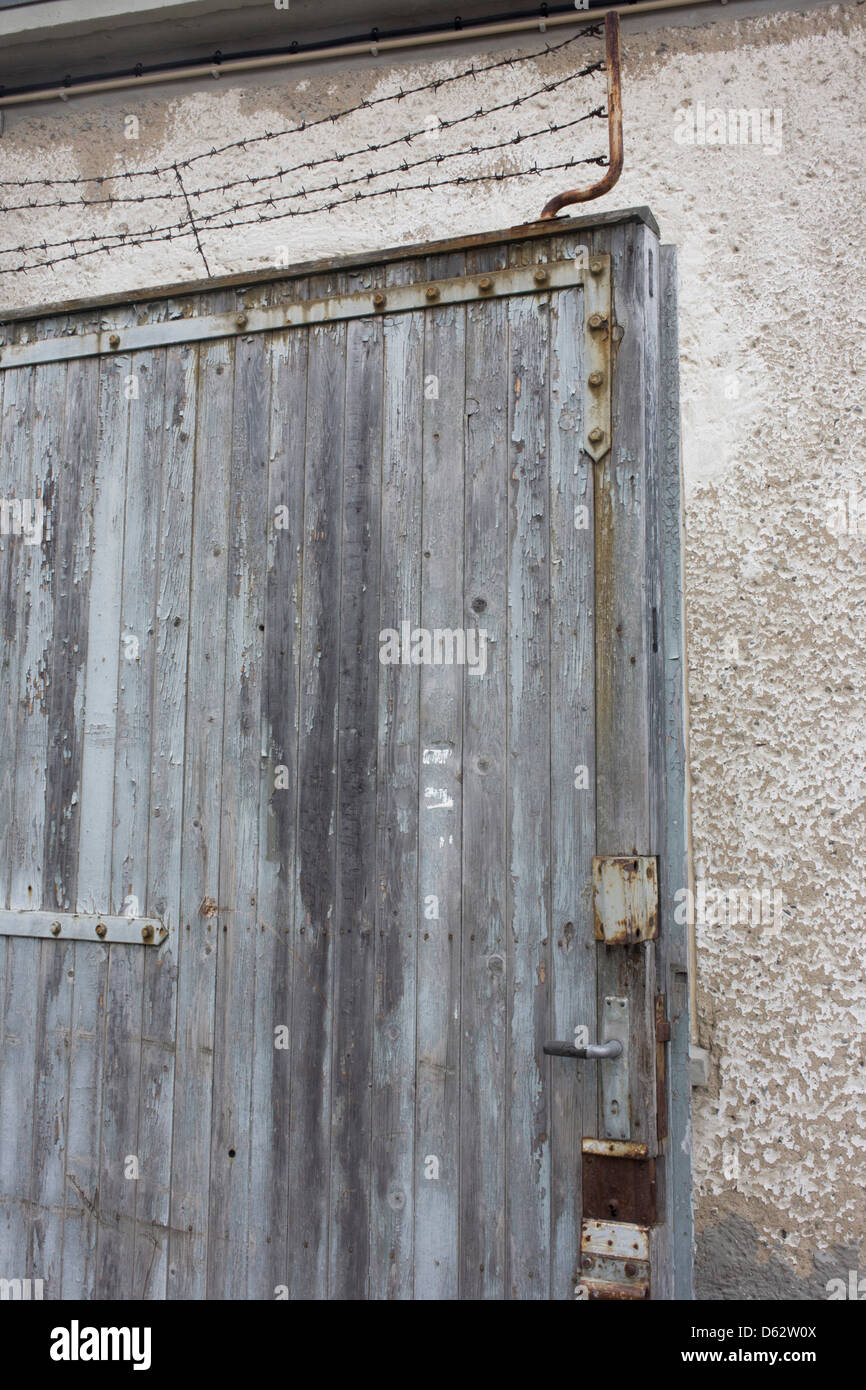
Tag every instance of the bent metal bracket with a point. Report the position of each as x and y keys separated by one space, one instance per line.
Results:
x=614 y=127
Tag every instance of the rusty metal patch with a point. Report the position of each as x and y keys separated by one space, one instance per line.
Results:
x=83 y=926
x=609 y=1289
x=626 y=899
x=620 y=1189
x=615 y=1239
x=614 y=1148
x=614 y=1260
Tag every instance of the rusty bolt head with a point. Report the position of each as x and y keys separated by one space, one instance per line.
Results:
x=241 y=320
x=596 y=436
x=114 y=340
x=147 y=933
x=630 y=1270
x=596 y=267
x=587 y=1262
x=540 y=277
x=378 y=300
x=101 y=930
x=432 y=292
x=597 y=321
x=596 y=378
x=55 y=928
x=485 y=285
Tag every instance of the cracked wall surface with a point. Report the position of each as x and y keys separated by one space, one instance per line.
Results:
x=772 y=281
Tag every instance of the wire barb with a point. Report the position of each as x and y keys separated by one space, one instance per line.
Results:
x=273 y=205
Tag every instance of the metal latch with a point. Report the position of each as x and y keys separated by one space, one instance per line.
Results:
x=613 y=1049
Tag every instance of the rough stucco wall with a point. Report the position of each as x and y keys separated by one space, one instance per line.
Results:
x=771 y=277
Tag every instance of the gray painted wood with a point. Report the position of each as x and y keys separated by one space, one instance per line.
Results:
x=528 y=953
x=354 y=940
x=171 y=638
x=572 y=736
x=239 y=849
x=65 y=882
x=315 y=905
x=21 y=1009
x=275 y=950
x=410 y=897
x=484 y=1011
x=54 y=987
x=398 y=778
x=120 y=684
x=200 y=858
x=624 y=748
x=440 y=806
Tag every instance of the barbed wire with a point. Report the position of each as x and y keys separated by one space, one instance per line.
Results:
x=202 y=218
x=143 y=239
x=474 y=71
x=336 y=158
x=272 y=206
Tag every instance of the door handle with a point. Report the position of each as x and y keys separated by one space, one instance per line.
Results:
x=601 y=1052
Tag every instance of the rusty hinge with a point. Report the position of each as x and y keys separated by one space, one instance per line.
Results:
x=663 y=1035
x=108 y=928
x=597 y=329
x=614 y=1260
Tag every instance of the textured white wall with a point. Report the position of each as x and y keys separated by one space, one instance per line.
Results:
x=772 y=288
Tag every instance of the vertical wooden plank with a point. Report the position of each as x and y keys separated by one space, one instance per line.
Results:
x=354 y=943
x=14 y=392
x=392 y=1196
x=272 y=1071
x=69 y=807
x=229 y=1214
x=483 y=1000
x=131 y=634
x=528 y=801
x=168 y=711
x=8 y=715
x=200 y=838
x=21 y=976
x=315 y=907
x=572 y=773
x=48 y=1163
x=623 y=640
x=437 y=1120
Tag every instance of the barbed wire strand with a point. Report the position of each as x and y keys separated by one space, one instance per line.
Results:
x=143 y=239
x=592 y=30
x=191 y=220
x=202 y=218
x=251 y=179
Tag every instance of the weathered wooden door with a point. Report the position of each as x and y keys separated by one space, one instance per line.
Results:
x=347 y=639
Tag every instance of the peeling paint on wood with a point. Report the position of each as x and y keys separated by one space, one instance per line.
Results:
x=329 y=1082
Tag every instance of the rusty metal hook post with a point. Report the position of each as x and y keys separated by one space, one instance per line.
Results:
x=614 y=127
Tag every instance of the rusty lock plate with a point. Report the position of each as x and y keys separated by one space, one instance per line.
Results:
x=626 y=898
x=619 y=1189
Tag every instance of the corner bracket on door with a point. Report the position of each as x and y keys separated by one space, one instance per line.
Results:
x=84 y=926
x=626 y=898
x=597 y=357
